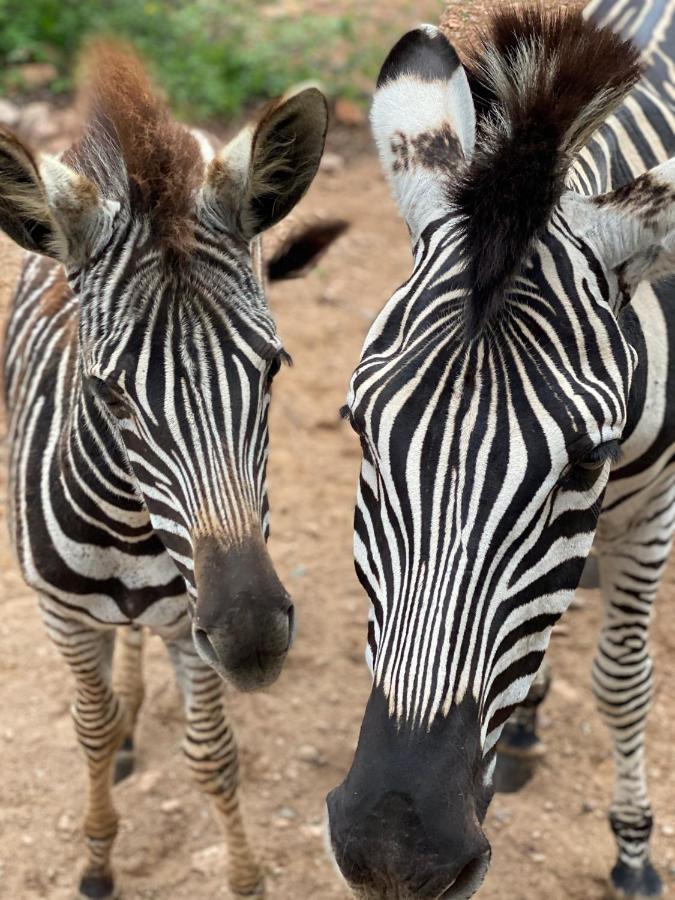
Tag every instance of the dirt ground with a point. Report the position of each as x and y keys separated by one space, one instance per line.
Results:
x=297 y=739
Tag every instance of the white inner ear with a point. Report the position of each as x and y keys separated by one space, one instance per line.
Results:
x=85 y=221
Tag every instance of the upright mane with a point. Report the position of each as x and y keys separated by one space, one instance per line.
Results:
x=542 y=82
x=132 y=148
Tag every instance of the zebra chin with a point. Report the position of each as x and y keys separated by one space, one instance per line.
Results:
x=244 y=619
x=406 y=821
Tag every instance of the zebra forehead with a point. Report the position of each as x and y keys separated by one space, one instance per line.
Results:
x=542 y=82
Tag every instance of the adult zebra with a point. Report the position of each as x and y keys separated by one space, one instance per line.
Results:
x=139 y=357
x=519 y=382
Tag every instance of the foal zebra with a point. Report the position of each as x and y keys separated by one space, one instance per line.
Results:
x=139 y=357
x=515 y=398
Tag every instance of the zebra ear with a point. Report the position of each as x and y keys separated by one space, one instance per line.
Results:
x=633 y=227
x=424 y=123
x=260 y=176
x=48 y=208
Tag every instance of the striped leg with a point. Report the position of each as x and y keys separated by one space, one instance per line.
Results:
x=630 y=570
x=99 y=723
x=520 y=749
x=128 y=685
x=211 y=754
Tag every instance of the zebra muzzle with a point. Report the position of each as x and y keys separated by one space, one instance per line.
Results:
x=244 y=618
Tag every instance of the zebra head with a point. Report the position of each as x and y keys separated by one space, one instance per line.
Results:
x=176 y=346
x=490 y=399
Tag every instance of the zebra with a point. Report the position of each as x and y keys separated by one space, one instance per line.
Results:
x=514 y=400
x=138 y=362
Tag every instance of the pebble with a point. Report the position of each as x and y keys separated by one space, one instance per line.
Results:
x=667 y=830
x=538 y=857
x=171 y=806
x=287 y=812
x=37 y=121
x=9 y=113
x=210 y=860
x=149 y=781
x=587 y=807
x=308 y=753
x=331 y=163
x=65 y=823
x=548 y=806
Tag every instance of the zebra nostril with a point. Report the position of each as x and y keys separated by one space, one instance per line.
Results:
x=291 y=626
x=204 y=645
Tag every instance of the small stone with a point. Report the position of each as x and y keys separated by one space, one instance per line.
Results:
x=299 y=572
x=538 y=857
x=565 y=690
x=308 y=753
x=27 y=840
x=331 y=163
x=65 y=823
x=149 y=781
x=667 y=830
x=171 y=806
x=312 y=831
x=548 y=806
x=587 y=807
x=536 y=835
x=501 y=815
x=37 y=121
x=9 y=113
x=209 y=861
x=287 y=812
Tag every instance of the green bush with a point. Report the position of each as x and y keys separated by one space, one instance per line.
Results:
x=211 y=57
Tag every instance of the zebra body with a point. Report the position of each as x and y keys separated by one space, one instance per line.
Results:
x=515 y=402
x=139 y=355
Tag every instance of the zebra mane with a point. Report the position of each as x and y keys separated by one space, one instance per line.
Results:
x=131 y=147
x=542 y=83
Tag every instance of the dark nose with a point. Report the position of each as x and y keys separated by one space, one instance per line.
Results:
x=244 y=619
x=404 y=821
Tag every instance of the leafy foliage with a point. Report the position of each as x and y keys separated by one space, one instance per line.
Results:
x=211 y=57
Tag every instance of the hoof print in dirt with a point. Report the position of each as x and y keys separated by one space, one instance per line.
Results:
x=124 y=761
x=97 y=887
x=627 y=883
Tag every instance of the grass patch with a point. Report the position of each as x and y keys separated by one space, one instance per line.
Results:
x=211 y=57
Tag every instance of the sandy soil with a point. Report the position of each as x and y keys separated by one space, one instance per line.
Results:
x=297 y=739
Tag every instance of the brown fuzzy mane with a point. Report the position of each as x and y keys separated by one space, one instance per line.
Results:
x=132 y=148
x=543 y=82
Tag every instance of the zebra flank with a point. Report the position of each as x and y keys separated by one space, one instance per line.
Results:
x=138 y=361
x=515 y=404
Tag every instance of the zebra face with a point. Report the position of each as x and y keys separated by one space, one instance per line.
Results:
x=177 y=348
x=490 y=399
x=180 y=369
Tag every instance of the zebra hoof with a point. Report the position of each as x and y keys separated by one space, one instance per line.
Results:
x=124 y=761
x=627 y=883
x=97 y=887
x=248 y=890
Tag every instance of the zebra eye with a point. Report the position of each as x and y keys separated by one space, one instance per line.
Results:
x=109 y=396
x=589 y=465
x=275 y=365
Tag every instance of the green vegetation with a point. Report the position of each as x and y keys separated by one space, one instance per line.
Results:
x=211 y=57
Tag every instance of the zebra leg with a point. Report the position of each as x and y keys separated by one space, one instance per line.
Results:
x=211 y=755
x=630 y=571
x=520 y=749
x=99 y=724
x=128 y=686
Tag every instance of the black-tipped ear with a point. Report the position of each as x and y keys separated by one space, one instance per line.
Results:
x=303 y=248
x=424 y=53
x=424 y=123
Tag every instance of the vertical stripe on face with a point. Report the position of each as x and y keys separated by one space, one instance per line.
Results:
x=471 y=522
x=188 y=351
